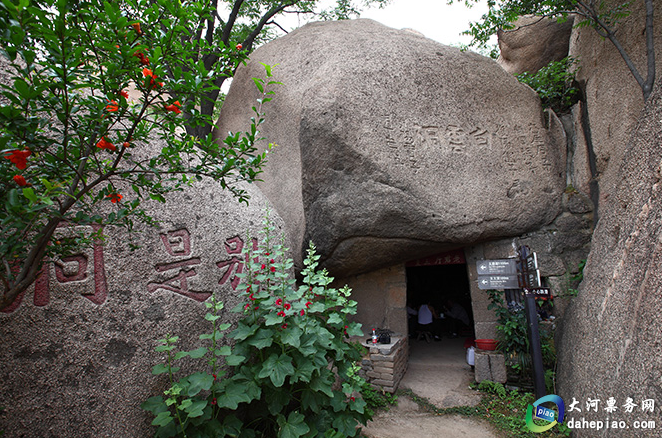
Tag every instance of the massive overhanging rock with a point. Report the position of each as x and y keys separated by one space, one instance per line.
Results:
x=392 y=146
x=610 y=336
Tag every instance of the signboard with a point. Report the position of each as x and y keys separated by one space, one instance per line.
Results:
x=498 y=282
x=530 y=263
x=496 y=267
x=455 y=257
x=531 y=279
x=539 y=292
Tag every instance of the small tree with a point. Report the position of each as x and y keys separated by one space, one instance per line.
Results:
x=249 y=23
x=293 y=372
x=591 y=13
x=72 y=140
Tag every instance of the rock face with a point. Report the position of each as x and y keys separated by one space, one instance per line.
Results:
x=77 y=352
x=533 y=43
x=393 y=146
x=613 y=99
x=610 y=344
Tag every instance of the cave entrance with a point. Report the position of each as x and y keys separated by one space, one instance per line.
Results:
x=439 y=366
x=442 y=281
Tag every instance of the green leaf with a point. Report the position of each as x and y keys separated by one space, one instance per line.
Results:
x=294 y=427
x=162 y=419
x=155 y=405
x=181 y=354
x=198 y=352
x=243 y=331
x=277 y=368
x=223 y=351
x=259 y=84
x=199 y=382
x=196 y=408
x=292 y=336
x=334 y=319
x=262 y=339
x=234 y=361
x=233 y=394
x=277 y=399
x=159 y=369
x=30 y=195
x=345 y=424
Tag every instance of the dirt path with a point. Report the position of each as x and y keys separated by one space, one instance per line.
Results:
x=437 y=371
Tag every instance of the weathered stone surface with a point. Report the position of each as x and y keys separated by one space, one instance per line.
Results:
x=394 y=146
x=610 y=335
x=533 y=43
x=613 y=97
x=77 y=354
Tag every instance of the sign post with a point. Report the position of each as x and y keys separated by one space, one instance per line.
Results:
x=527 y=261
x=520 y=273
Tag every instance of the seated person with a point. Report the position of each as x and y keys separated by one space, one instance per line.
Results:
x=428 y=320
x=456 y=317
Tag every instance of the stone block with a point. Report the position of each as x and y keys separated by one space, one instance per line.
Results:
x=482 y=367
x=383 y=382
x=383 y=370
x=373 y=374
x=498 y=367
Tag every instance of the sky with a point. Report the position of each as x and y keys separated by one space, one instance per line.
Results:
x=433 y=18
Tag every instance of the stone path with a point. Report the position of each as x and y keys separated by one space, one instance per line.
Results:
x=437 y=371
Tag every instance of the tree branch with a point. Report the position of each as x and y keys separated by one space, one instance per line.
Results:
x=650 y=51
x=611 y=35
x=248 y=42
x=227 y=29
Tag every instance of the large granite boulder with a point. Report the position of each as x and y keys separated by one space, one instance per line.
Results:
x=77 y=352
x=610 y=338
x=392 y=146
x=533 y=43
x=613 y=99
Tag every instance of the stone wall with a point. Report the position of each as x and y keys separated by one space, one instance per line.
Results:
x=385 y=364
x=382 y=298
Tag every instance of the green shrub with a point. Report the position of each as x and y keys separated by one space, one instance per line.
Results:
x=292 y=371
x=554 y=84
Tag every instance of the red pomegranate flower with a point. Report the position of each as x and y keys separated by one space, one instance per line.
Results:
x=112 y=106
x=18 y=179
x=287 y=306
x=174 y=107
x=279 y=301
x=281 y=313
x=114 y=197
x=105 y=144
x=124 y=94
x=19 y=158
x=147 y=73
x=239 y=47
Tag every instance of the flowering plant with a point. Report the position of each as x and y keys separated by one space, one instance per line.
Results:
x=92 y=84
x=292 y=371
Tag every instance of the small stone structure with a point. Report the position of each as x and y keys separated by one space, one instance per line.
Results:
x=385 y=364
x=490 y=365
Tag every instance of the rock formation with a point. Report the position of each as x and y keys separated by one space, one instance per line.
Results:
x=77 y=352
x=613 y=100
x=533 y=43
x=610 y=341
x=392 y=146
